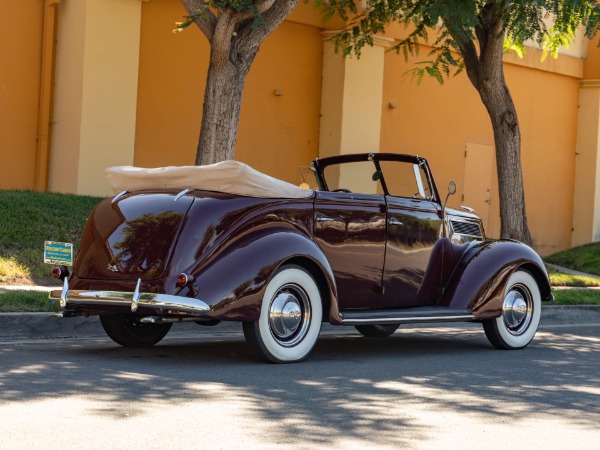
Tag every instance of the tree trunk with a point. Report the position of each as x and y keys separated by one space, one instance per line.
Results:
x=235 y=34
x=507 y=137
x=221 y=110
x=486 y=72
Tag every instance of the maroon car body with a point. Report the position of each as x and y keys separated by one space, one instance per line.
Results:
x=371 y=246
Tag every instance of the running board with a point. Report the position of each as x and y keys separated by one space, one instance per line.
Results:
x=405 y=315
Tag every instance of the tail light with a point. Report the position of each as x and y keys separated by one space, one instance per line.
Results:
x=60 y=272
x=183 y=279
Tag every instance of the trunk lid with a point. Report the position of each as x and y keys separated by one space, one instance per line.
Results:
x=133 y=237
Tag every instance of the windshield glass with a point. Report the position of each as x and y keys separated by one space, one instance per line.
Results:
x=359 y=177
x=396 y=178
x=405 y=179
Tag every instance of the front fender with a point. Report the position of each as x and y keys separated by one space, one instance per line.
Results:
x=482 y=272
x=233 y=283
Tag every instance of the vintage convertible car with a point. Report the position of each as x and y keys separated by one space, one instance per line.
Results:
x=371 y=245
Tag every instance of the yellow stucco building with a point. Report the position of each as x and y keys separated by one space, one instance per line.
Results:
x=87 y=84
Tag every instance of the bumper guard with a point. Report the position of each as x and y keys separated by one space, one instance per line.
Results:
x=162 y=302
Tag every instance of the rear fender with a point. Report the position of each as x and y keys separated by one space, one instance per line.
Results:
x=233 y=283
x=480 y=276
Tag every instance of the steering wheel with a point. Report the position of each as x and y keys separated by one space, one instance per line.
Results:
x=342 y=190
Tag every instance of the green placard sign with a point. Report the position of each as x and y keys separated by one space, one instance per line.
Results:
x=60 y=253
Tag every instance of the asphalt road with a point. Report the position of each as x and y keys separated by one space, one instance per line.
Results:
x=422 y=388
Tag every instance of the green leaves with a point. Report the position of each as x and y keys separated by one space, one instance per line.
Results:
x=460 y=24
x=201 y=13
x=511 y=45
x=554 y=39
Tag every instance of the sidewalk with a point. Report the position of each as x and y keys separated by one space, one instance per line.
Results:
x=570 y=271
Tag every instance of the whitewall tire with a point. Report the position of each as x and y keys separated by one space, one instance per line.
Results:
x=290 y=317
x=521 y=310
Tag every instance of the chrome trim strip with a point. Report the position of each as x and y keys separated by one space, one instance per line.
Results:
x=162 y=302
x=118 y=196
x=181 y=194
x=409 y=319
x=325 y=219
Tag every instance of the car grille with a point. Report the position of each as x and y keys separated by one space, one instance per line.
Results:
x=466 y=228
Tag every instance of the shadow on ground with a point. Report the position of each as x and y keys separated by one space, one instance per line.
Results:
x=344 y=388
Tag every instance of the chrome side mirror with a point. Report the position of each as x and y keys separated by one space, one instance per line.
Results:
x=451 y=189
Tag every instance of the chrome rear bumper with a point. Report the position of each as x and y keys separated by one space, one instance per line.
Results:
x=162 y=302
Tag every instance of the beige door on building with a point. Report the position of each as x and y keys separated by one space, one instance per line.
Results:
x=477 y=188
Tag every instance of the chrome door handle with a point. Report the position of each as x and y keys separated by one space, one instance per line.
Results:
x=394 y=221
x=324 y=219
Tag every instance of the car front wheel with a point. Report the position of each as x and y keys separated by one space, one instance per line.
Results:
x=290 y=317
x=128 y=331
x=521 y=309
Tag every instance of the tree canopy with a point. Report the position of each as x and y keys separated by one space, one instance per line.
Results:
x=457 y=25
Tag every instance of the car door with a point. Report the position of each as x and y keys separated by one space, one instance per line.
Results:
x=350 y=228
x=413 y=228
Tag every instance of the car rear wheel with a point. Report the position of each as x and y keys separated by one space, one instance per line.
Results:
x=379 y=330
x=520 y=318
x=128 y=331
x=290 y=317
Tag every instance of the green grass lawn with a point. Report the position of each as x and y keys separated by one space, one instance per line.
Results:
x=26 y=301
x=564 y=279
x=585 y=258
x=30 y=218
x=576 y=297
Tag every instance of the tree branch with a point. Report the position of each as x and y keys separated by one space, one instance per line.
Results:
x=469 y=55
x=263 y=6
x=241 y=16
x=494 y=44
x=272 y=17
x=206 y=21
x=468 y=51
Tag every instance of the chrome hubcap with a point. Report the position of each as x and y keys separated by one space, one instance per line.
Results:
x=289 y=314
x=517 y=309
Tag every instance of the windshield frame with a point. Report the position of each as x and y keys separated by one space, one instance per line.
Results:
x=319 y=166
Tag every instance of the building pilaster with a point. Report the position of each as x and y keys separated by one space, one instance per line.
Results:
x=586 y=202
x=95 y=97
x=351 y=99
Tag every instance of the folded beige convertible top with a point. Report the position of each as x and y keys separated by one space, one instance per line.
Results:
x=228 y=176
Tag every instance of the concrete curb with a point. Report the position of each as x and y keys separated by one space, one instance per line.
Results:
x=22 y=326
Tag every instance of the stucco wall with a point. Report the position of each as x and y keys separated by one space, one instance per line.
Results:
x=21 y=22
